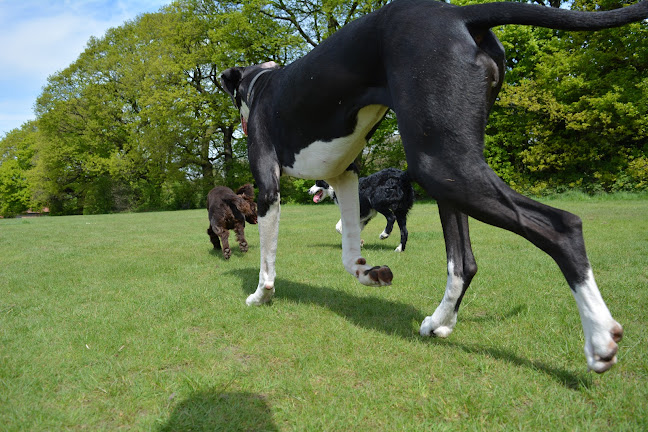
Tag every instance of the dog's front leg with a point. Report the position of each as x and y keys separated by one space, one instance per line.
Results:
x=268 y=224
x=265 y=168
x=346 y=189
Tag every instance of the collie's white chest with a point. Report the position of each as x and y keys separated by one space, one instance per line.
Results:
x=327 y=159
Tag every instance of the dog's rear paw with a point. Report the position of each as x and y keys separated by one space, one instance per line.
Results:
x=243 y=247
x=227 y=253
x=601 y=351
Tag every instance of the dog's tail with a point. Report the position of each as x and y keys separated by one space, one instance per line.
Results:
x=247 y=190
x=408 y=191
x=487 y=15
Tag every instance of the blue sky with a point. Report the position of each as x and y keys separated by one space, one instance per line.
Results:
x=40 y=37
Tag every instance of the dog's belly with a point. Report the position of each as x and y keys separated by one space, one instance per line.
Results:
x=328 y=159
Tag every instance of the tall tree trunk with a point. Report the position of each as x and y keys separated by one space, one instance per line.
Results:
x=228 y=153
x=206 y=165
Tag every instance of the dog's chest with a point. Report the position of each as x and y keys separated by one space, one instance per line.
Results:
x=328 y=159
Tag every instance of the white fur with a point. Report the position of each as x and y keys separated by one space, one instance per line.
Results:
x=326 y=193
x=598 y=325
x=338 y=226
x=314 y=189
x=328 y=159
x=371 y=215
x=346 y=190
x=268 y=236
x=245 y=111
x=444 y=318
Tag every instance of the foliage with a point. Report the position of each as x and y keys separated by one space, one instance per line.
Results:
x=573 y=111
x=139 y=121
x=16 y=153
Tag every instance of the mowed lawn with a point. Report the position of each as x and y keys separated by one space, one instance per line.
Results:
x=133 y=322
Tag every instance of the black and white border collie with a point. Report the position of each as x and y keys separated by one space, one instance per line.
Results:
x=388 y=192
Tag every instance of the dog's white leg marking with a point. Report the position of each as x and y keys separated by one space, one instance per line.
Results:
x=346 y=189
x=444 y=318
x=268 y=236
x=384 y=235
x=363 y=222
x=399 y=248
x=602 y=332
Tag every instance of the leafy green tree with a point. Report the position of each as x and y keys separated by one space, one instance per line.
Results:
x=16 y=153
x=573 y=110
x=139 y=120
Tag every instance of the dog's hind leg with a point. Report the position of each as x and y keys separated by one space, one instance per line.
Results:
x=213 y=238
x=346 y=189
x=486 y=197
x=402 y=226
x=444 y=144
x=223 y=234
x=461 y=269
x=391 y=219
x=239 y=229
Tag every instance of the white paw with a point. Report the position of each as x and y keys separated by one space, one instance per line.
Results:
x=399 y=248
x=601 y=331
x=384 y=235
x=601 y=348
x=261 y=296
x=432 y=326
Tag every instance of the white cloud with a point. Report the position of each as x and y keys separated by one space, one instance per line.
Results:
x=42 y=46
x=41 y=37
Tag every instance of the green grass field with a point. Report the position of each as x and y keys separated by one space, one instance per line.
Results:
x=132 y=322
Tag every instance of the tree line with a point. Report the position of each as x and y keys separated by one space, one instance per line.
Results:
x=140 y=122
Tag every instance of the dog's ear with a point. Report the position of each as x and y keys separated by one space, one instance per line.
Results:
x=247 y=190
x=230 y=79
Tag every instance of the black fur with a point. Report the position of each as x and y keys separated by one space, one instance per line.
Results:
x=439 y=68
x=388 y=192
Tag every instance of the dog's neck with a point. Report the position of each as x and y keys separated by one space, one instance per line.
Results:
x=250 y=92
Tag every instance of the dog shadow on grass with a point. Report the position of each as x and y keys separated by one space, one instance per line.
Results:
x=402 y=320
x=373 y=246
x=214 y=410
x=218 y=253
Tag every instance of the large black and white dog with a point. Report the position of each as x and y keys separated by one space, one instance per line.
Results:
x=439 y=68
x=388 y=192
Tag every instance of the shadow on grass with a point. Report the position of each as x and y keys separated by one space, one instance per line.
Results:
x=377 y=246
x=573 y=381
x=236 y=253
x=492 y=317
x=368 y=312
x=396 y=319
x=221 y=411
